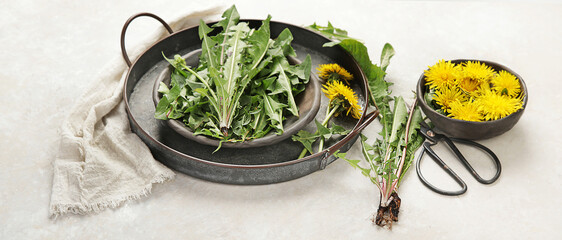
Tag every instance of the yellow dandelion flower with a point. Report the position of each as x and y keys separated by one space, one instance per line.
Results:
x=506 y=83
x=339 y=93
x=441 y=75
x=494 y=106
x=482 y=89
x=477 y=71
x=467 y=111
x=469 y=85
x=334 y=72
x=446 y=96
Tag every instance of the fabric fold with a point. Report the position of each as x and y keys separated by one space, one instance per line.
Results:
x=100 y=163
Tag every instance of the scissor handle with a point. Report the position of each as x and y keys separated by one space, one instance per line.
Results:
x=467 y=165
x=433 y=155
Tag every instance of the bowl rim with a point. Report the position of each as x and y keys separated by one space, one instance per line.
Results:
x=420 y=91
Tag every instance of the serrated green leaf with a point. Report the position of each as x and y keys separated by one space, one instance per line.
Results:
x=272 y=110
x=162 y=109
x=283 y=41
x=302 y=70
x=230 y=18
x=306 y=139
x=208 y=55
x=177 y=78
x=415 y=122
x=163 y=88
x=378 y=88
x=232 y=67
x=279 y=67
x=336 y=129
x=203 y=29
x=355 y=164
x=386 y=55
x=333 y=33
x=260 y=40
x=399 y=119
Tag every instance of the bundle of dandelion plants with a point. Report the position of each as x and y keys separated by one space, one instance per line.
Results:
x=391 y=155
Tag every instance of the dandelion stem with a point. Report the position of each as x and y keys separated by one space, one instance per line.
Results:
x=303 y=153
x=325 y=124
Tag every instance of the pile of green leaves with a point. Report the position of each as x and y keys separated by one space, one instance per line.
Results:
x=243 y=87
x=391 y=155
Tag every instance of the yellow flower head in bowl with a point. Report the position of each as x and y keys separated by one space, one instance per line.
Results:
x=465 y=111
x=446 y=96
x=506 y=83
x=333 y=71
x=342 y=99
x=477 y=71
x=441 y=75
x=495 y=106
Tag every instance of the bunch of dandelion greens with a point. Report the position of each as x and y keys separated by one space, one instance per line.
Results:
x=472 y=91
x=391 y=155
x=243 y=87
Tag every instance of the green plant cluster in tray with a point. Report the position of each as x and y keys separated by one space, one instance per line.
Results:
x=243 y=87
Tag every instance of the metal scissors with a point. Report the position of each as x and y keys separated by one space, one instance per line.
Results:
x=434 y=138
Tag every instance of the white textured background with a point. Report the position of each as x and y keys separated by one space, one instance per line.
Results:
x=51 y=50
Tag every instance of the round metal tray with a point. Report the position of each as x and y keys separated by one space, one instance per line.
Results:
x=260 y=165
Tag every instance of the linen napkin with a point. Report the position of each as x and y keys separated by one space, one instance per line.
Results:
x=100 y=162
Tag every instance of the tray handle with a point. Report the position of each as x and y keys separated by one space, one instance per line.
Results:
x=367 y=120
x=123 y=50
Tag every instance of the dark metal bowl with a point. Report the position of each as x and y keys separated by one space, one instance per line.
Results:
x=467 y=129
x=308 y=102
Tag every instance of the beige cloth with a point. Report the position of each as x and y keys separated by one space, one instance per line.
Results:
x=100 y=162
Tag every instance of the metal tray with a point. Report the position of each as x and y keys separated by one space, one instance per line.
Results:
x=260 y=165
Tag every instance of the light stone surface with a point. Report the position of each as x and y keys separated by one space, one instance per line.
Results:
x=51 y=50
